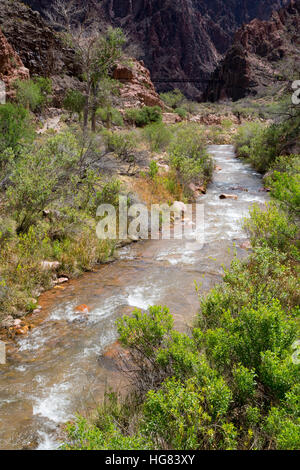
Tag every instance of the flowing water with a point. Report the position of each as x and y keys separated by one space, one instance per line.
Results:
x=60 y=366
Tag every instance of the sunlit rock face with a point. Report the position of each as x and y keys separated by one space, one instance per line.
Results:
x=179 y=39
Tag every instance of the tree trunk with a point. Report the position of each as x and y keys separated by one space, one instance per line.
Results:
x=94 y=108
x=86 y=108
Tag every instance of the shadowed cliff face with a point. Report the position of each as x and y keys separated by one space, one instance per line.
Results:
x=263 y=58
x=180 y=39
x=11 y=66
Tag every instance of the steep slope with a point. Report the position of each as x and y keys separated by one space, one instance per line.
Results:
x=262 y=57
x=42 y=52
x=11 y=66
x=38 y=46
x=181 y=40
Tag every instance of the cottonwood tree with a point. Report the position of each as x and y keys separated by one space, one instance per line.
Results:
x=97 y=50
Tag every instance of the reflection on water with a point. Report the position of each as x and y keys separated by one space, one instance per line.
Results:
x=57 y=369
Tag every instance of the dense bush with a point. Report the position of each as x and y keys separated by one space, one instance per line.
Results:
x=42 y=174
x=33 y=94
x=284 y=181
x=173 y=99
x=122 y=144
x=181 y=112
x=48 y=213
x=15 y=127
x=111 y=116
x=146 y=115
x=158 y=135
x=74 y=102
x=270 y=227
x=188 y=157
x=262 y=145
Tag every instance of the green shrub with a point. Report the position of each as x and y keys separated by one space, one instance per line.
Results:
x=42 y=174
x=109 y=194
x=145 y=331
x=15 y=127
x=227 y=124
x=110 y=115
x=270 y=227
x=181 y=112
x=266 y=143
x=245 y=135
x=188 y=157
x=74 y=102
x=153 y=169
x=86 y=436
x=32 y=94
x=122 y=144
x=282 y=429
x=279 y=373
x=175 y=416
x=146 y=115
x=173 y=99
x=251 y=333
x=244 y=383
x=158 y=135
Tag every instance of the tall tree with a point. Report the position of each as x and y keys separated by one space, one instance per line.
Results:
x=97 y=50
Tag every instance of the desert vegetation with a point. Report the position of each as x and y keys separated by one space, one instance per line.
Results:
x=233 y=381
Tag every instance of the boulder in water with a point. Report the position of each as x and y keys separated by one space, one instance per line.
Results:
x=82 y=308
x=228 y=196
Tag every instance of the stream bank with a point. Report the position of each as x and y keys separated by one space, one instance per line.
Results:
x=61 y=368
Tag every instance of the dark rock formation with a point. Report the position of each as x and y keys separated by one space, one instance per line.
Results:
x=37 y=45
x=11 y=66
x=182 y=40
x=264 y=53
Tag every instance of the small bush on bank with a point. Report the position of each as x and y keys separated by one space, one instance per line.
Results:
x=189 y=159
x=181 y=112
x=245 y=135
x=153 y=169
x=15 y=127
x=112 y=116
x=74 y=102
x=33 y=94
x=146 y=115
x=48 y=213
x=158 y=135
x=270 y=227
x=284 y=182
x=233 y=382
x=173 y=99
x=262 y=145
x=122 y=144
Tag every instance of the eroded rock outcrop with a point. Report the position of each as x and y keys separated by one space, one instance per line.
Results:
x=11 y=66
x=137 y=89
x=263 y=53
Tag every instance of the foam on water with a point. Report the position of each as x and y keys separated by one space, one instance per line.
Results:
x=143 y=296
x=55 y=405
x=47 y=442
